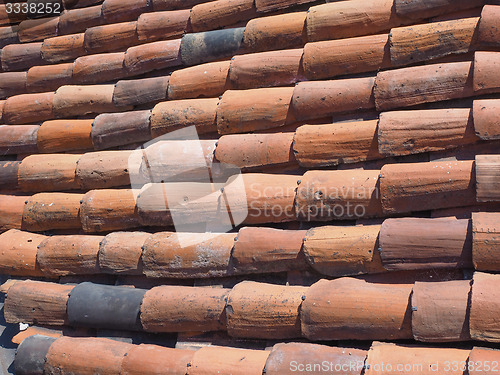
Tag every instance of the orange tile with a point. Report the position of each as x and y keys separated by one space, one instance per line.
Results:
x=47 y=211
x=343 y=251
x=50 y=77
x=121 y=252
x=486 y=64
x=485 y=241
x=8 y=174
x=488 y=178
x=222 y=13
x=351 y=309
x=488 y=33
x=78 y=20
x=50 y=172
x=205 y=80
x=38 y=29
x=99 y=68
x=64 y=135
x=162 y=25
x=419 y=10
x=183 y=309
x=63 y=48
x=174 y=4
x=152 y=360
x=12 y=83
x=187 y=255
x=486 y=119
x=72 y=101
x=423 y=186
x=140 y=91
x=18 y=139
x=320 y=99
x=18 y=253
x=37 y=302
x=484 y=310
x=273 y=5
x=483 y=360
x=69 y=255
x=28 y=108
x=115 y=11
x=111 y=38
x=32 y=331
x=152 y=56
x=11 y=212
x=21 y=56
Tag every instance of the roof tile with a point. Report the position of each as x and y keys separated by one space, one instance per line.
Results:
x=149 y=359
x=205 y=80
x=343 y=251
x=121 y=252
x=78 y=20
x=484 y=308
x=488 y=178
x=63 y=48
x=485 y=241
x=31 y=354
x=183 y=309
x=28 y=108
x=110 y=38
x=152 y=56
x=11 y=212
x=488 y=33
x=49 y=77
x=162 y=25
x=486 y=64
x=174 y=4
x=64 y=135
x=69 y=255
x=487 y=119
x=12 y=83
x=72 y=101
x=140 y=91
x=18 y=253
x=46 y=211
x=26 y=303
x=21 y=56
x=124 y=10
x=421 y=9
x=49 y=172
x=480 y=356
x=221 y=13
x=20 y=139
x=8 y=174
x=361 y=310
x=8 y=35
x=99 y=68
x=38 y=29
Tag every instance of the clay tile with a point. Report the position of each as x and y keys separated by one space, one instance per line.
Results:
x=183 y=309
x=336 y=195
x=28 y=108
x=51 y=172
x=8 y=35
x=486 y=119
x=69 y=255
x=12 y=83
x=37 y=302
x=421 y=9
x=423 y=84
x=79 y=100
x=333 y=144
x=215 y=15
x=99 y=68
x=162 y=25
x=325 y=98
x=187 y=255
x=432 y=41
x=152 y=56
x=117 y=129
x=120 y=252
x=20 y=139
x=78 y=20
x=424 y=186
x=485 y=241
x=50 y=77
x=124 y=10
x=334 y=58
x=347 y=19
x=213 y=360
x=198 y=48
x=343 y=251
x=488 y=33
x=488 y=178
x=104 y=169
x=353 y=309
x=250 y=151
x=440 y=311
x=11 y=212
x=140 y=91
x=63 y=48
x=273 y=5
x=111 y=38
x=411 y=243
x=411 y=132
x=260 y=310
x=38 y=29
x=486 y=64
x=206 y=80
x=83 y=356
x=149 y=359
x=404 y=359
x=266 y=69
x=258 y=109
x=31 y=353
x=47 y=211
x=8 y=174
x=275 y=32
x=18 y=253
x=483 y=359
x=106 y=210
x=287 y=359
x=21 y=56
x=169 y=116
x=484 y=307
x=64 y=135
x=261 y=250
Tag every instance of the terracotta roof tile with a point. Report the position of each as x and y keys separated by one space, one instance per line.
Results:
x=197 y=256
x=38 y=29
x=488 y=178
x=273 y=5
x=46 y=211
x=421 y=9
x=484 y=308
x=121 y=252
x=205 y=80
x=37 y=302
x=152 y=56
x=64 y=135
x=183 y=309
x=221 y=13
x=482 y=357
x=11 y=212
x=103 y=67
x=8 y=174
x=485 y=66
x=8 y=35
x=162 y=25
x=488 y=32
x=140 y=91
x=21 y=56
x=20 y=139
x=418 y=243
x=49 y=77
x=78 y=20
x=424 y=186
x=32 y=353
x=110 y=38
x=63 y=48
x=124 y=10
x=485 y=241
x=12 y=83
x=149 y=359
x=28 y=108
x=264 y=310
x=18 y=253
x=353 y=309
x=486 y=123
